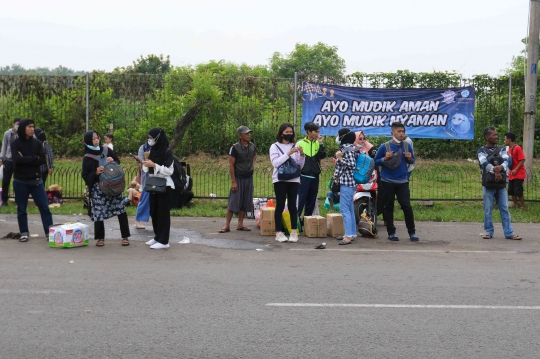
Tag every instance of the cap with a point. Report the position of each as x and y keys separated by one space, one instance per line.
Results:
x=243 y=130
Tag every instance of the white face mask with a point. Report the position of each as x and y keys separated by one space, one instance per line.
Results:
x=151 y=142
x=395 y=139
x=16 y=127
x=338 y=140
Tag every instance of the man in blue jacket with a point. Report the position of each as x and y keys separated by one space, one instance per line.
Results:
x=395 y=157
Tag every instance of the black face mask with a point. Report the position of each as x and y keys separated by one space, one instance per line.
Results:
x=288 y=137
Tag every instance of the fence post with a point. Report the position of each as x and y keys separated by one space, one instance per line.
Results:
x=509 y=100
x=87 y=99
x=295 y=97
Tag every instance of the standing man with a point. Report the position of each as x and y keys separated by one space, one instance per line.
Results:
x=6 y=159
x=494 y=159
x=395 y=156
x=517 y=174
x=314 y=150
x=242 y=156
x=28 y=156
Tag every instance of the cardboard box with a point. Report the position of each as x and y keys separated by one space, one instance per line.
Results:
x=68 y=235
x=268 y=225
x=315 y=226
x=335 y=225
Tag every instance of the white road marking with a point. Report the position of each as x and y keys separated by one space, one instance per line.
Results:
x=401 y=250
x=24 y=291
x=412 y=306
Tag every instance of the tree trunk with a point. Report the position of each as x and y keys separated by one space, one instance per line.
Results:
x=182 y=125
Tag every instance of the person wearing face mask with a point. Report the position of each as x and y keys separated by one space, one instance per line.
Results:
x=6 y=159
x=160 y=163
x=47 y=168
x=286 y=190
x=361 y=142
x=395 y=180
x=102 y=207
x=28 y=155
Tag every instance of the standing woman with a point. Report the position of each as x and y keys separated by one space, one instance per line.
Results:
x=362 y=141
x=280 y=152
x=143 y=208
x=48 y=167
x=102 y=207
x=160 y=164
x=345 y=164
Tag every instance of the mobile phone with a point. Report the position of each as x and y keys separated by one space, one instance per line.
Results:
x=135 y=157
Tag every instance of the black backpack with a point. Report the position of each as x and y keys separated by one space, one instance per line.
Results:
x=488 y=178
x=179 y=175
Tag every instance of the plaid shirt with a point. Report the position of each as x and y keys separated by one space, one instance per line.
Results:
x=345 y=167
x=50 y=158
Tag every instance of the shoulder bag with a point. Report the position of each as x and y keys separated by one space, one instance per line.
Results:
x=289 y=169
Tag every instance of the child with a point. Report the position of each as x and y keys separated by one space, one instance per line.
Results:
x=108 y=140
x=516 y=174
x=134 y=194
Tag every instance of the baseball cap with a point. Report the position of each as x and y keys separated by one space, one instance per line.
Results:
x=243 y=130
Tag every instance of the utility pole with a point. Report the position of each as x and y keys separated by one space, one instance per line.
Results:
x=531 y=78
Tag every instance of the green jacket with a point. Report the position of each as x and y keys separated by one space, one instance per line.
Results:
x=314 y=152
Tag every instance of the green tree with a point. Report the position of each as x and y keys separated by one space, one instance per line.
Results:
x=17 y=69
x=320 y=63
x=150 y=64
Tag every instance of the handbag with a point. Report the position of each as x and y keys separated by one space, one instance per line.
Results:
x=289 y=169
x=335 y=186
x=156 y=185
x=394 y=161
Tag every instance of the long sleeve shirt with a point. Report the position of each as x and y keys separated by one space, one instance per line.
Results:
x=400 y=174
x=277 y=159
x=9 y=137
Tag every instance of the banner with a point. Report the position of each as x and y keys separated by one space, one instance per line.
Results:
x=446 y=113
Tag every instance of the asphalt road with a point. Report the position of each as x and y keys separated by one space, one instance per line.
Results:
x=452 y=295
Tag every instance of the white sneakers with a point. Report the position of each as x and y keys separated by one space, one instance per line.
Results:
x=156 y=245
x=281 y=237
x=294 y=236
x=159 y=246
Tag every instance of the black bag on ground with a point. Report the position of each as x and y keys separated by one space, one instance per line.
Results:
x=488 y=178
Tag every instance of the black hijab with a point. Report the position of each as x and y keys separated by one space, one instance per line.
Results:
x=40 y=134
x=159 y=152
x=88 y=141
x=348 y=138
x=21 y=131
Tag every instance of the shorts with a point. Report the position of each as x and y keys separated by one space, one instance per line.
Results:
x=515 y=187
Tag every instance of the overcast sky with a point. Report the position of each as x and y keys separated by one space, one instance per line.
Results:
x=469 y=36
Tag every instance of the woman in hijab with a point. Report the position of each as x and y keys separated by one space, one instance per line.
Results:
x=345 y=164
x=28 y=155
x=362 y=141
x=102 y=207
x=48 y=167
x=160 y=163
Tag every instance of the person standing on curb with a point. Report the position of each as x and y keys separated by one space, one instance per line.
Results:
x=47 y=168
x=6 y=159
x=516 y=174
x=395 y=180
x=494 y=159
x=314 y=151
x=242 y=156
x=28 y=155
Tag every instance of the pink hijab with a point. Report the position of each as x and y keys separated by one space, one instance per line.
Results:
x=366 y=146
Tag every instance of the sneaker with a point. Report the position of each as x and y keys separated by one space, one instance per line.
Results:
x=159 y=246
x=294 y=237
x=281 y=237
x=413 y=237
x=151 y=242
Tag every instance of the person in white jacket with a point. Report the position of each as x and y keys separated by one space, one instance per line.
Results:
x=286 y=190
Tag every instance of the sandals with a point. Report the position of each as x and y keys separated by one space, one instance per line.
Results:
x=343 y=242
x=100 y=243
x=486 y=236
x=139 y=226
x=515 y=237
x=125 y=242
x=224 y=230
x=245 y=229
x=23 y=239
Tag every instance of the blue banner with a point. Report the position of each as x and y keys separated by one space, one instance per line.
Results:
x=446 y=113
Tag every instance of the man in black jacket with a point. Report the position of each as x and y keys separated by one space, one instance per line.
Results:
x=28 y=155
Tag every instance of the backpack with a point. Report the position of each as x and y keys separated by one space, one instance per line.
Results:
x=488 y=178
x=112 y=181
x=363 y=169
x=366 y=227
x=179 y=176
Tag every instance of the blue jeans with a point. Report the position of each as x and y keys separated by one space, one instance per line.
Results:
x=143 y=208
x=502 y=202
x=347 y=210
x=22 y=192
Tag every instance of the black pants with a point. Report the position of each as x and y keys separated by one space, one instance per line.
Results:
x=307 y=195
x=289 y=191
x=161 y=215
x=44 y=176
x=403 y=195
x=99 y=227
x=8 y=173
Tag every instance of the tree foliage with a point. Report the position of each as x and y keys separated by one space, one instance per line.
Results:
x=319 y=62
x=17 y=69
x=149 y=65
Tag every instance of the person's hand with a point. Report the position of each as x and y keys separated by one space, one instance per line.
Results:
x=408 y=156
x=388 y=155
x=109 y=159
x=497 y=169
x=1 y=163
x=138 y=159
x=320 y=139
x=234 y=186
x=99 y=170
x=513 y=172
x=301 y=150
x=498 y=177
x=149 y=163
x=339 y=155
x=51 y=170
x=293 y=150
